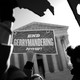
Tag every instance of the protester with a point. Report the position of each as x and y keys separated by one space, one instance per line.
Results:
x=75 y=60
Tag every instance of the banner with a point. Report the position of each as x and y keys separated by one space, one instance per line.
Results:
x=39 y=41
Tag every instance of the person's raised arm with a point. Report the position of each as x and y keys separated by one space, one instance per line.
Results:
x=29 y=64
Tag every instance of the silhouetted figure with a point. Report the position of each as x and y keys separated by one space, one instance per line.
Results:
x=73 y=5
x=75 y=60
x=4 y=54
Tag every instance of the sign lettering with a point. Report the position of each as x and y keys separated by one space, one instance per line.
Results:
x=38 y=41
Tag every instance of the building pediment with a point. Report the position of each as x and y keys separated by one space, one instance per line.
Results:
x=40 y=25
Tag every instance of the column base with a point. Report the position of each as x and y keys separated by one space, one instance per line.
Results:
x=62 y=75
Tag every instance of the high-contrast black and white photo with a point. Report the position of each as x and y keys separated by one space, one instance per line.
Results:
x=39 y=40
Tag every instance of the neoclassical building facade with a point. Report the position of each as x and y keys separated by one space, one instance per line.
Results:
x=50 y=59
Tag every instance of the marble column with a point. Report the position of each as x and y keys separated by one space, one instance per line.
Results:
x=35 y=64
x=45 y=64
x=16 y=61
x=55 y=63
x=62 y=54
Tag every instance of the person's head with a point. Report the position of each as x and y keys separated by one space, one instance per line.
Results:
x=36 y=77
